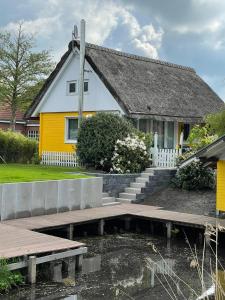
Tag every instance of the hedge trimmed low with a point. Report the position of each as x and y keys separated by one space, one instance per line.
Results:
x=16 y=148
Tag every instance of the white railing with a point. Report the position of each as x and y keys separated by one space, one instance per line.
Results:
x=65 y=159
x=164 y=158
x=33 y=134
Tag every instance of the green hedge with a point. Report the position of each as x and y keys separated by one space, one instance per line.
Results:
x=16 y=148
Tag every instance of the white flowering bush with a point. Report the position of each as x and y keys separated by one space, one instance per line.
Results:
x=130 y=155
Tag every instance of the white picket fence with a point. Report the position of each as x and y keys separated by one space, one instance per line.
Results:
x=164 y=158
x=65 y=159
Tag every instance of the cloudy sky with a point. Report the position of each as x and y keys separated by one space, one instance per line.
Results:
x=187 y=32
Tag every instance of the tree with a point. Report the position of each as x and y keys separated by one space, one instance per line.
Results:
x=21 y=69
x=200 y=137
x=216 y=123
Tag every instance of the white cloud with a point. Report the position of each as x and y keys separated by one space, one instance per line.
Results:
x=146 y=38
x=44 y=27
x=55 y=19
x=211 y=26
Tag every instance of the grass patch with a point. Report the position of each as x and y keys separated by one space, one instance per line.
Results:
x=8 y=279
x=27 y=173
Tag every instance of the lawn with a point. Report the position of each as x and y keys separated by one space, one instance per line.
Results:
x=27 y=173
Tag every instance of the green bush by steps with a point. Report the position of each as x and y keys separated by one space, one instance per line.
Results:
x=16 y=148
x=195 y=176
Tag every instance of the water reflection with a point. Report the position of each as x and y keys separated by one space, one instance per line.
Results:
x=126 y=266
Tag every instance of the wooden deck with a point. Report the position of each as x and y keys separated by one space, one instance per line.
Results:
x=18 y=239
x=15 y=242
x=89 y=215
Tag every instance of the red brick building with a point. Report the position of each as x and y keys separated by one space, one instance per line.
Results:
x=27 y=127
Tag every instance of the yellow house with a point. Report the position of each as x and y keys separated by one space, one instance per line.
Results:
x=159 y=96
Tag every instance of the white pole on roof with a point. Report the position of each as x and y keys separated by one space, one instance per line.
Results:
x=81 y=79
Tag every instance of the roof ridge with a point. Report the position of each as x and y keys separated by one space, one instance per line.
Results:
x=139 y=57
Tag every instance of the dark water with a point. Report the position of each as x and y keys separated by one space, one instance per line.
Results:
x=126 y=266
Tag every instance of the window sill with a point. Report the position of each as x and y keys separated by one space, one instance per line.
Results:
x=71 y=142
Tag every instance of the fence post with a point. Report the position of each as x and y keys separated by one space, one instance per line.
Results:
x=32 y=269
x=155 y=151
x=181 y=142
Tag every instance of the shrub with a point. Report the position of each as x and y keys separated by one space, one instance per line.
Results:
x=195 y=177
x=216 y=123
x=130 y=155
x=97 y=137
x=8 y=279
x=200 y=137
x=15 y=147
x=184 y=156
x=147 y=138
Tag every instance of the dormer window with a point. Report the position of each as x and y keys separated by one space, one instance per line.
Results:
x=71 y=87
x=86 y=86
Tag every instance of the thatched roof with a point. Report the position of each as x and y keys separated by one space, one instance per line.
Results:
x=146 y=87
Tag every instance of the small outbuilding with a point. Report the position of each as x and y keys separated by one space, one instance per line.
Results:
x=214 y=155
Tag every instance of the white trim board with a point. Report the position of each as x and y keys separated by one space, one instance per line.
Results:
x=69 y=58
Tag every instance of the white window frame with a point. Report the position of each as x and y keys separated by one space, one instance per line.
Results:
x=68 y=87
x=66 y=140
x=87 y=80
x=77 y=88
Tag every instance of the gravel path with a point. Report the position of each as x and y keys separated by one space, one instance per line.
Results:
x=193 y=202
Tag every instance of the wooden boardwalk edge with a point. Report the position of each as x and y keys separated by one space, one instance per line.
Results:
x=18 y=238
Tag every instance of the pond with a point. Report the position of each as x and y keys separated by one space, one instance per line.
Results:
x=127 y=266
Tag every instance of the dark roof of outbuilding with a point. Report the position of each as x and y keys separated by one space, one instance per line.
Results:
x=208 y=154
x=144 y=86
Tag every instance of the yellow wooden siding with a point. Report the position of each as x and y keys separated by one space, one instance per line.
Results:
x=52 y=131
x=220 y=194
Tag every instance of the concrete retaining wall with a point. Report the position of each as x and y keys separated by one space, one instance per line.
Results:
x=116 y=183
x=18 y=200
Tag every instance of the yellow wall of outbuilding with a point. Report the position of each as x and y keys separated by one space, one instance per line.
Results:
x=220 y=193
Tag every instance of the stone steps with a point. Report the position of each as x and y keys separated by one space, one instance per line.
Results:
x=132 y=190
x=123 y=200
x=142 y=179
x=138 y=184
x=150 y=181
x=105 y=195
x=108 y=200
x=111 y=203
x=130 y=196
x=146 y=175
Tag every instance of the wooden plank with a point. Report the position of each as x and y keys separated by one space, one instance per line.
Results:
x=57 y=256
x=77 y=216
x=48 y=258
x=18 y=265
x=17 y=242
x=17 y=239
